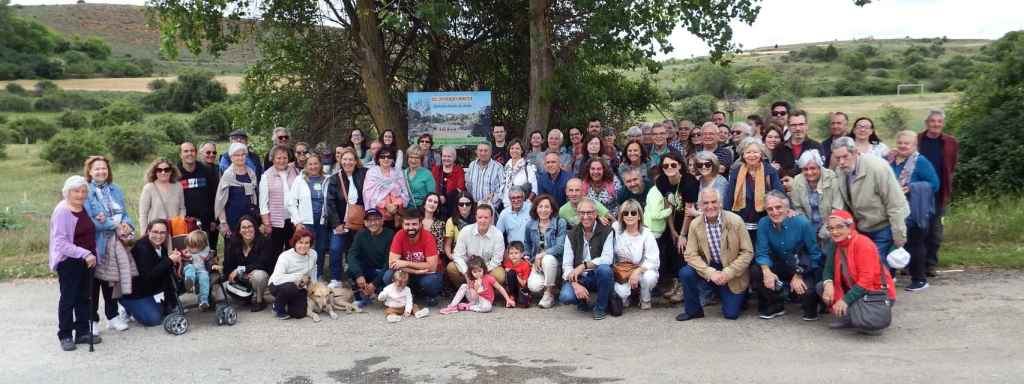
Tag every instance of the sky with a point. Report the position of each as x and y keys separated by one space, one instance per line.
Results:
x=803 y=21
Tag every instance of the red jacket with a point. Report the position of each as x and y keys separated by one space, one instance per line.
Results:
x=457 y=181
x=863 y=264
x=950 y=155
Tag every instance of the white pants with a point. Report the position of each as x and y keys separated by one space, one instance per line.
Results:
x=647 y=282
x=546 y=278
x=476 y=303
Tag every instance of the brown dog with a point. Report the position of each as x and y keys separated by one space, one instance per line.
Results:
x=343 y=298
x=320 y=300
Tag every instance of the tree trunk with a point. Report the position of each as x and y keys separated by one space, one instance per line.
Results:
x=373 y=69
x=542 y=70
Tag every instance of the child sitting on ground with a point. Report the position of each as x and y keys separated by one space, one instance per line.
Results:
x=397 y=299
x=197 y=253
x=517 y=272
x=478 y=290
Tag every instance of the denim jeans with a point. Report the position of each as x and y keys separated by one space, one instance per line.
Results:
x=428 y=285
x=337 y=247
x=732 y=303
x=200 y=277
x=374 y=276
x=321 y=245
x=599 y=280
x=883 y=241
x=146 y=311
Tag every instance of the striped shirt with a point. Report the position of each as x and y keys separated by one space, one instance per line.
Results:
x=714 y=239
x=485 y=180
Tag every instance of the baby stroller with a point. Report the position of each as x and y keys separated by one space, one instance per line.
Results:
x=176 y=323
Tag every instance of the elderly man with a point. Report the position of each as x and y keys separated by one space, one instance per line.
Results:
x=798 y=141
x=478 y=239
x=483 y=179
x=414 y=251
x=636 y=188
x=513 y=219
x=574 y=193
x=788 y=259
x=709 y=142
x=555 y=145
x=368 y=256
x=659 y=145
x=199 y=183
x=208 y=155
x=943 y=151
x=279 y=137
x=676 y=141
x=552 y=179
x=499 y=134
x=838 y=126
x=587 y=263
x=718 y=254
x=868 y=186
x=634 y=133
x=251 y=159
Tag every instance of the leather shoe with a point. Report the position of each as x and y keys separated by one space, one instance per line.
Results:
x=258 y=307
x=686 y=316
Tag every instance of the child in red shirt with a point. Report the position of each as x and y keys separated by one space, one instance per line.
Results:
x=517 y=271
x=478 y=290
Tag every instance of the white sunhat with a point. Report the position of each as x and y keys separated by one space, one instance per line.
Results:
x=898 y=258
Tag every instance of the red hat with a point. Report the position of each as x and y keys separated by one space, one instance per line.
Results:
x=844 y=215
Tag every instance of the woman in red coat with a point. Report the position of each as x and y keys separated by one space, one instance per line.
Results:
x=860 y=256
x=450 y=178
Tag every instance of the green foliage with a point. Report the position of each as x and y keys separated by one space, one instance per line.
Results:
x=68 y=149
x=49 y=103
x=695 y=108
x=919 y=71
x=191 y=92
x=156 y=84
x=711 y=79
x=118 y=112
x=815 y=53
x=174 y=128
x=820 y=126
x=32 y=129
x=855 y=60
x=133 y=142
x=214 y=121
x=893 y=118
x=11 y=103
x=16 y=89
x=73 y=120
x=45 y=87
x=8 y=136
x=867 y=50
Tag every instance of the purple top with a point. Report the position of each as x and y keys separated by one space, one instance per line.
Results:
x=62 y=236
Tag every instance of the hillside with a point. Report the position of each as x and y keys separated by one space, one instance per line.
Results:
x=125 y=28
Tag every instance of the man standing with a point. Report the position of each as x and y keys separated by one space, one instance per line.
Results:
x=756 y=124
x=552 y=179
x=484 y=177
x=780 y=115
x=208 y=156
x=787 y=257
x=837 y=127
x=368 y=256
x=251 y=159
x=513 y=219
x=500 y=151
x=279 y=137
x=943 y=151
x=199 y=183
x=659 y=145
x=870 y=189
x=718 y=254
x=574 y=193
x=478 y=239
x=593 y=127
x=555 y=141
x=675 y=141
x=586 y=263
x=718 y=117
x=415 y=252
x=798 y=141
x=709 y=137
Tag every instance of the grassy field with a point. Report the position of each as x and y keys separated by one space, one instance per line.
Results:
x=133 y=84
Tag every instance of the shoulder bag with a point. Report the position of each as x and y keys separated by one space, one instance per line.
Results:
x=355 y=215
x=873 y=311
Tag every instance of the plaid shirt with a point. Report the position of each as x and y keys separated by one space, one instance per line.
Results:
x=714 y=238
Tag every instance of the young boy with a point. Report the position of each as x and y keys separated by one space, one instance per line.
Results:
x=397 y=299
x=517 y=272
x=198 y=252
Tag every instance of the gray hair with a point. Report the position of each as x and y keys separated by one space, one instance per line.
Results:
x=810 y=156
x=72 y=183
x=935 y=112
x=714 y=190
x=585 y=199
x=449 y=149
x=634 y=131
x=414 y=151
x=485 y=144
x=845 y=142
x=774 y=194
x=273 y=134
x=557 y=132
x=753 y=141
x=520 y=189
x=744 y=127
x=708 y=156
x=630 y=171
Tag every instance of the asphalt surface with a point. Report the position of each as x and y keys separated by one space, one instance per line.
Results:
x=968 y=327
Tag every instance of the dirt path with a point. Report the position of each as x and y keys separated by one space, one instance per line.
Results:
x=135 y=84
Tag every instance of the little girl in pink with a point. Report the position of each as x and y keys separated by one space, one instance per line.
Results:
x=478 y=290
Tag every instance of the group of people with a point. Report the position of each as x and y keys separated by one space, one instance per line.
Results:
x=706 y=215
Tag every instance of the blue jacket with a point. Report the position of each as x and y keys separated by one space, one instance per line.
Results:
x=922 y=204
x=93 y=207
x=554 y=188
x=554 y=238
x=793 y=243
x=923 y=171
x=748 y=213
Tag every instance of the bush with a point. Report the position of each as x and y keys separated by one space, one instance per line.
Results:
x=118 y=112
x=8 y=136
x=191 y=92
x=855 y=60
x=696 y=108
x=83 y=102
x=49 y=103
x=920 y=71
x=893 y=118
x=132 y=142
x=10 y=103
x=73 y=120
x=157 y=84
x=16 y=89
x=169 y=151
x=174 y=128
x=67 y=150
x=821 y=126
x=45 y=87
x=215 y=121
x=32 y=129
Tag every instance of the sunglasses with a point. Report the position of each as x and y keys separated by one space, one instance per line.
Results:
x=737 y=132
x=630 y=213
x=300 y=152
x=426 y=142
x=707 y=164
x=465 y=204
x=779 y=113
x=385 y=157
x=209 y=152
x=670 y=166
x=163 y=170
x=282 y=137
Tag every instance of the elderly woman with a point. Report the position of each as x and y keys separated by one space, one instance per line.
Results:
x=601 y=184
x=421 y=182
x=637 y=258
x=275 y=185
x=920 y=183
x=72 y=253
x=248 y=263
x=536 y=155
x=344 y=189
x=518 y=172
x=545 y=236
x=106 y=207
x=450 y=179
x=706 y=166
x=236 y=192
x=156 y=265
x=162 y=196
x=385 y=187
x=307 y=206
x=288 y=283
x=815 y=192
x=866 y=140
x=634 y=133
x=430 y=156
x=634 y=157
x=853 y=270
x=749 y=182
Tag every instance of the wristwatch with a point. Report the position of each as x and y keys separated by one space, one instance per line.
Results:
x=799 y=269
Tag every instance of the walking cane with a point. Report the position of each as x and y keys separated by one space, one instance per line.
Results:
x=91 y=336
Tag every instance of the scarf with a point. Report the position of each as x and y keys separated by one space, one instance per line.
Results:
x=377 y=187
x=908 y=167
x=228 y=180
x=511 y=170
x=739 y=200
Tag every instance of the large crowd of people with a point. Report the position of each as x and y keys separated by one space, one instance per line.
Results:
x=702 y=214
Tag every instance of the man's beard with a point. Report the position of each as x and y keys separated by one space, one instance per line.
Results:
x=412 y=233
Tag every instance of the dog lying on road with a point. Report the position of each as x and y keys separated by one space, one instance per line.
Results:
x=322 y=299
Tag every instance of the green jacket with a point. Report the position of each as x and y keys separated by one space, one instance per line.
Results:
x=369 y=251
x=656 y=212
x=874 y=197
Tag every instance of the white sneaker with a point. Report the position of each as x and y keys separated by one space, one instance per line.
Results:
x=124 y=316
x=422 y=313
x=394 y=318
x=95 y=328
x=547 y=300
x=117 y=324
x=334 y=284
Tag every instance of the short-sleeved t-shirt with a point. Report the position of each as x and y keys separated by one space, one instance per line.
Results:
x=485 y=287
x=415 y=251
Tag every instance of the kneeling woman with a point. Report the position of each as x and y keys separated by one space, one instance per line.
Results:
x=636 y=255
x=288 y=283
x=155 y=266
x=853 y=270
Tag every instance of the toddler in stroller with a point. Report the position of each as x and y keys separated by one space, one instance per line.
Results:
x=195 y=273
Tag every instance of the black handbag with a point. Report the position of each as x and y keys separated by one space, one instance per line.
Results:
x=873 y=311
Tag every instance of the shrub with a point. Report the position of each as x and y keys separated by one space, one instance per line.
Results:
x=118 y=112
x=191 y=92
x=83 y=102
x=8 y=135
x=49 y=103
x=16 y=89
x=894 y=118
x=821 y=126
x=174 y=128
x=10 y=103
x=32 y=129
x=215 y=121
x=169 y=151
x=920 y=71
x=132 y=142
x=156 y=84
x=695 y=108
x=45 y=87
x=67 y=150
x=73 y=120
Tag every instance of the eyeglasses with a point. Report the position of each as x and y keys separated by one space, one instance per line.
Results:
x=779 y=113
x=163 y=170
x=282 y=137
x=209 y=152
x=585 y=213
x=630 y=213
x=670 y=166
x=300 y=153
x=465 y=204
x=707 y=164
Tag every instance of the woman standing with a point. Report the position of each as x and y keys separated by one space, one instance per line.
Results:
x=357 y=141
x=345 y=188
x=545 y=236
x=920 y=183
x=162 y=196
x=634 y=157
x=600 y=184
x=385 y=187
x=430 y=157
x=306 y=204
x=706 y=166
x=450 y=178
x=857 y=255
x=465 y=214
x=591 y=150
x=636 y=252
x=287 y=282
x=536 y=155
x=866 y=140
x=815 y=192
x=749 y=182
x=236 y=192
x=421 y=182
x=72 y=254
x=671 y=201
x=434 y=222
x=575 y=143
x=247 y=263
x=109 y=214
x=387 y=140
x=780 y=157
x=155 y=266
x=274 y=189
x=518 y=172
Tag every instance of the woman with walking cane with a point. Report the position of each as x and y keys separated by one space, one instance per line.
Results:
x=72 y=256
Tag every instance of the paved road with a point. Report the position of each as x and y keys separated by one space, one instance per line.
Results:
x=969 y=327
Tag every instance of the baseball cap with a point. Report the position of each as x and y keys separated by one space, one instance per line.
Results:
x=238 y=132
x=373 y=212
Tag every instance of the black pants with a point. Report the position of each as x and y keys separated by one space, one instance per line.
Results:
x=109 y=303
x=520 y=293
x=918 y=253
x=671 y=261
x=290 y=298
x=770 y=301
x=213 y=236
x=933 y=239
x=73 y=307
x=279 y=238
